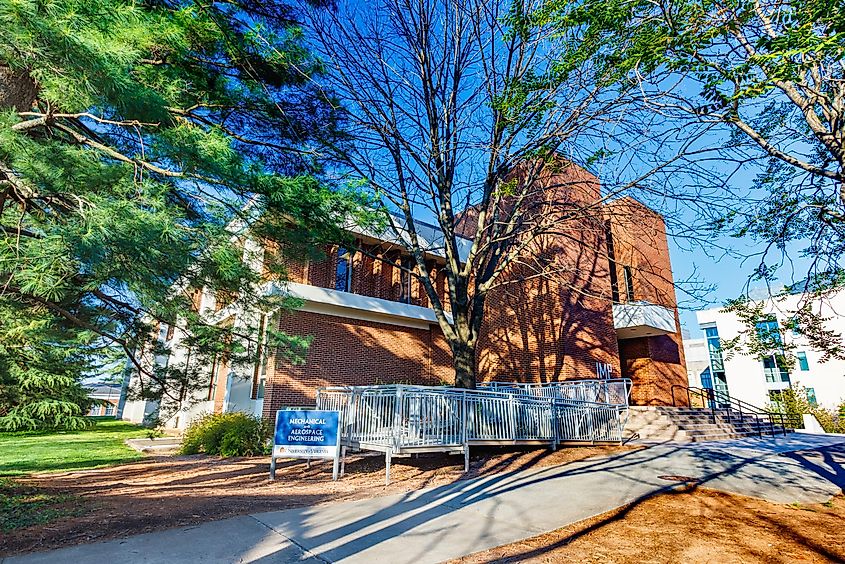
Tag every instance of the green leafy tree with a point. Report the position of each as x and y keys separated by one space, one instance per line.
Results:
x=793 y=403
x=763 y=84
x=141 y=143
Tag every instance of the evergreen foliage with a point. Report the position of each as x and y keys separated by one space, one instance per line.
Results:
x=140 y=143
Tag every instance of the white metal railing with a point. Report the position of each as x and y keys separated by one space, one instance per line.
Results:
x=403 y=418
x=614 y=391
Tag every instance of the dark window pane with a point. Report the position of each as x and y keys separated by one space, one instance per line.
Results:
x=342 y=273
x=629 y=283
x=405 y=281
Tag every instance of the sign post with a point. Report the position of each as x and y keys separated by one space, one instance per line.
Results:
x=306 y=433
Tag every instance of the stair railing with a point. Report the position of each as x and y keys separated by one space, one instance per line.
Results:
x=717 y=400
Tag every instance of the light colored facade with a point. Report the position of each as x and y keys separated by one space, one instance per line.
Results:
x=757 y=381
x=697 y=360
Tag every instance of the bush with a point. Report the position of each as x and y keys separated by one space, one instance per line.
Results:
x=795 y=404
x=226 y=434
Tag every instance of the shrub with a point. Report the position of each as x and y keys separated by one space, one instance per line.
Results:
x=226 y=434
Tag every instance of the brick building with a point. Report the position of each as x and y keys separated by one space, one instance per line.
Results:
x=609 y=310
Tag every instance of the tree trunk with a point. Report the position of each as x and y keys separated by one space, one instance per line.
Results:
x=17 y=89
x=464 y=362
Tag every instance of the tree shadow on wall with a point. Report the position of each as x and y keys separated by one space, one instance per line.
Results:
x=555 y=326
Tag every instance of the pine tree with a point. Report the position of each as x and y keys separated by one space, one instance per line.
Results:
x=134 y=137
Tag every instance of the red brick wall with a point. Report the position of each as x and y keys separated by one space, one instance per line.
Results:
x=354 y=352
x=654 y=364
x=559 y=325
x=536 y=329
x=371 y=276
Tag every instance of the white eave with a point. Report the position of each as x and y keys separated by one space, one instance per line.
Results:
x=642 y=319
x=344 y=304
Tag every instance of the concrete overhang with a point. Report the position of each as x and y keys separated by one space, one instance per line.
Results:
x=355 y=306
x=642 y=319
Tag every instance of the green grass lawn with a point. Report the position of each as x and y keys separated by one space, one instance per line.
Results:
x=102 y=445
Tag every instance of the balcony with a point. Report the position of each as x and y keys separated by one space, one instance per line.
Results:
x=642 y=319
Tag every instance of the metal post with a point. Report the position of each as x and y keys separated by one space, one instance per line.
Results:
x=272 y=467
x=336 y=465
x=512 y=406
x=397 y=418
x=464 y=419
x=387 y=456
x=342 y=461
x=349 y=419
x=711 y=397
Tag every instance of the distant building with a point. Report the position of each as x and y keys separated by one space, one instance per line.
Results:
x=108 y=393
x=760 y=381
x=698 y=362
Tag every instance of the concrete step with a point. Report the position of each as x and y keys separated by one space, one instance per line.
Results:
x=694 y=424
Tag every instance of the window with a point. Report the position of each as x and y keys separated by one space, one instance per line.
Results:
x=110 y=409
x=776 y=399
x=802 y=361
x=170 y=330
x=811 y=396
x=343 y=270
x=629 y=283
x=714 y=348
x=706 y=379
x=774 y=370
x=717 y=379
x=796 y=327
x=407 y=265
x=769 y=332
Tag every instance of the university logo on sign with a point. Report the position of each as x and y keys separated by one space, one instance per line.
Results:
x=308 y=434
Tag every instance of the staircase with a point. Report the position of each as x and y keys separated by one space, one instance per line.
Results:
x=683 y=424
x=703 y=414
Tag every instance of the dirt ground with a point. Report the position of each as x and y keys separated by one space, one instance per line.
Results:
x=163 y=492
x=692 y=526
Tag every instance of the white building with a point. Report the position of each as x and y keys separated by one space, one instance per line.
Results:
x=758 y=381
x=697 y=360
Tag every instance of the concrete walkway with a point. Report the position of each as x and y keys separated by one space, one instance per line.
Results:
x=445 y=522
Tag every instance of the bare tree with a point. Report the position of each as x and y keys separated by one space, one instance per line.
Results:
x=457 y=118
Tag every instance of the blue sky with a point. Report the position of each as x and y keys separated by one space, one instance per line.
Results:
x=729 y=275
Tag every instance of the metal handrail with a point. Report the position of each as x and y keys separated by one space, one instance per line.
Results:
x=397 y=417
x=716 y=398
x=608 y=388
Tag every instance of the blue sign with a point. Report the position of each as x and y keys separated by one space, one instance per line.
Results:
x=306 y=434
